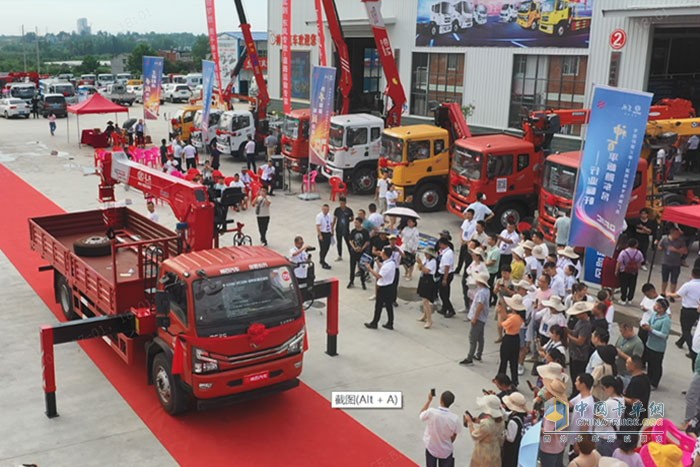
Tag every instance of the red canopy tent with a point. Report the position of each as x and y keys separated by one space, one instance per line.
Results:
x=96 y=104
x=685 y=215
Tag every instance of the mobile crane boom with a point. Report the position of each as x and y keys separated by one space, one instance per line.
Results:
x=345 y=83
x=263 y=98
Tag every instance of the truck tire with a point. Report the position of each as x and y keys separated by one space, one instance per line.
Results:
x=534 y=26
x=65 y=299
x=170 y=394
x=561 y=29
x=364 y=181
x=517 y=211
x=433 y=30
x=455 y=27
x=673 y=199
x=93 y=246
x=429 y=198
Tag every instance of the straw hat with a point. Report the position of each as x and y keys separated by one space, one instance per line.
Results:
x=580 y=307
x=482 y=277
x=527 y=244
x=478 y=251
x=515 y=302
x=551 y=370
x=490 y=405
x=523 y=284
x=554 y=302
x=538 y=252
x=568 y=251
x=392 y=237
x=556 y=387
x=515 y=402
x=662 y=455
x=430 y=251
x=518 y=250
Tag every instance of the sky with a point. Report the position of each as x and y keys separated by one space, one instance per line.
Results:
x=117 y=16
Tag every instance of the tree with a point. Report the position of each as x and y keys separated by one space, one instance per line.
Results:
x=200 y=49
x=89 y=65
x=135 y=61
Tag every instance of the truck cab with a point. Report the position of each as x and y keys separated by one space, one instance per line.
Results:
x=503 y=167
x=417 y=159
x=24 y=91
x=197 y=133
x=559 y=183
x=562 y=16
x=88 y=79
x=529 y=15
x=481 y=14
x=509 y=13
x=295 y=139
x=353 y=152
x=235 y=126
x=104 y=79
x=183 y=121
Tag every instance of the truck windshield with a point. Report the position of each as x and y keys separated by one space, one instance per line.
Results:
x=559 y=180
x=22 y=91
x=65 y=89
x=548 y=6
x=336 y=135
x=229 y=304
x=467 y=163
x=290 y=128
x=392 y=148
x=524 y=7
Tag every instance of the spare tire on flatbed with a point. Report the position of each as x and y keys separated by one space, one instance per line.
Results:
x=93 y=246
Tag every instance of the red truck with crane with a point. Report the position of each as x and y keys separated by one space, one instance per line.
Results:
x=218 y=324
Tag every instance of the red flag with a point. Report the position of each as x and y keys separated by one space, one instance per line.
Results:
x=213 y=39
x=287 y=55
x=321 y=33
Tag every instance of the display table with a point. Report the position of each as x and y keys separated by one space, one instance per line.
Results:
x=94 y=138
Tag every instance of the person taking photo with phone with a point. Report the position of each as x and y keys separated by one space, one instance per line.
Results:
x=441 y=430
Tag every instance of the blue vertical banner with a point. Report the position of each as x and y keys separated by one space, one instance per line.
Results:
x=608 y=165
x=593 y=268
x=208 y=75
x=322 y=99
x=152 y=80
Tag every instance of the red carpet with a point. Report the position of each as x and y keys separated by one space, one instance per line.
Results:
x=293 y=428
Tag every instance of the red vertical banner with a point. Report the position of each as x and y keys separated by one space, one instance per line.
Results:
x=321 y=34
x=213 y=39
x=287 y=55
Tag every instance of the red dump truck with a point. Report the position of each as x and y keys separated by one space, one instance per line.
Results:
x=218 y=324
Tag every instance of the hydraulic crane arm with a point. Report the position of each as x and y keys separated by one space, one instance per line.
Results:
x=450 y=117
x=394 y=89
x=341 y=48
x=190 y=202
x=263 y=98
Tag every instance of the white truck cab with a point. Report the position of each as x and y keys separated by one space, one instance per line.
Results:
x=232 y=134
x=353 y=150
x=197 y=133
x=509 y=13
x=481 y=14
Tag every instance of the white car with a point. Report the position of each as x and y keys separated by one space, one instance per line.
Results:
x=178 y=93
x=137 y=90
x=13 y=107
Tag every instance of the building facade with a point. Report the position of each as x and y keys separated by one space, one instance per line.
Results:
x=502 y=59
x=231 y=45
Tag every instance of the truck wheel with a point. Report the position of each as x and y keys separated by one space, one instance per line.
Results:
x=429 y=198
x=507 y=211
x=170 y=394
x=561 y=29
x=455 y=27
x=433 y=30
x=534 y=26
x=65 y=298
x=673 y=199
x=364 y=181
x=93 y=246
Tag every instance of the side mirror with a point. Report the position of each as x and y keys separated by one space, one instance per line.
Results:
x=162 y=303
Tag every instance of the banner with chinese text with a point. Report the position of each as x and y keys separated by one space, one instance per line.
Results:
x=322 y=99
x=152 y=80
x=608 y=165
x=208 y=70
x=287 y=56
x=213 y=40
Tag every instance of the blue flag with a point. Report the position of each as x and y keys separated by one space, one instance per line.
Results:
x=608 y=165
x=208 y=74
x=152 y=80
x=322 y=99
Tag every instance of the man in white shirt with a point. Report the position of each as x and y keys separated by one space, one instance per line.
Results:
x=299 y=257
x=190 y=153
x=538 y=240
x=480 y=234
x=468 y=229
x=324 y=231
x=441 y=430
x=250 y=154
x=177 y=153
x=508 y=239
x=385 y=291
x=561 y=230
x=152 y=214
x=689 y=293
x=481 y=211
x=694 y=154
x=382 y=188
x=557 y=283
x=446 y=268
x=268 y=177
x=376 y=219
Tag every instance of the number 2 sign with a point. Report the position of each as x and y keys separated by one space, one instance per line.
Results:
x=618 y=39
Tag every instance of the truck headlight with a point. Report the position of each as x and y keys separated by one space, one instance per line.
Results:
x=296 y=345
x=462 y=190
x=203 y=363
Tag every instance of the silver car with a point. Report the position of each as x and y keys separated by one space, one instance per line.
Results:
x=13 y=107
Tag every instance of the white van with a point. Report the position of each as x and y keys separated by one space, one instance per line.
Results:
x=193 y=79
x=234 y=128
x=123 y=78
x=353 y=150
x=509 y=13
x=66 y=89
x=196 y=133
x=24 y=91
x=104 y=79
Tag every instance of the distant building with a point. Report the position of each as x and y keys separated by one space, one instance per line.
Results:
x=83 y=28
x=119 y=63
x=231 y=44
x=180 y=54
